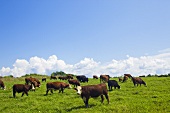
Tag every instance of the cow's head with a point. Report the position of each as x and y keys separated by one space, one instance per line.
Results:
x=79 y=90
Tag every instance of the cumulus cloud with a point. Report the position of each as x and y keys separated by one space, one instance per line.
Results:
x=144 y=65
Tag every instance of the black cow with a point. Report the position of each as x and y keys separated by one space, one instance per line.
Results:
x=44 y=79
x=18 y=88
x=82 y=78
x=92 y=91
x=113 y=83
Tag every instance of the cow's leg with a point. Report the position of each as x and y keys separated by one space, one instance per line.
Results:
x=14 y=94
x=47 y=91
x=102 y=98
x=26 y=93
x=22 y=94
x=51 y=91
x=107 y=97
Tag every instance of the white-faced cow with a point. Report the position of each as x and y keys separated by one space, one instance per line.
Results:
x=113 y=83
x=2 y=85
x=56 y=86
x=92 y=91
x=18 y=88
x=31 y=80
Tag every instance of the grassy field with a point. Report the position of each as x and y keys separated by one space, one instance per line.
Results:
x=155 y=98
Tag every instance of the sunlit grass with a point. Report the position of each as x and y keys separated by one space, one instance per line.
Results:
x=154 y=98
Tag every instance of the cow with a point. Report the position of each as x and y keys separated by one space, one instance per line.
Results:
x=31 y=80
x=2 y=85
x=120 y=79
x=125 y=78
x=104 y=78
x=92 y=91
x=128 y=75
x=113 y=83
x=44 y=79
x=138 y=80
x=56 y=86
x=95 y=77
x=82 y=78
x=69 y=76
x=62 y=77
x=74 y=82
x=53 y=77
x=18 y=88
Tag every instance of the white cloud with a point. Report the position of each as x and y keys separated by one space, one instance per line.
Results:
x=144 y=65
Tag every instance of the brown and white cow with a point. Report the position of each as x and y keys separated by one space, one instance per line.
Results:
x=74 y=82
x=92 y=91
x=56 y=86
x=95 y=77
x=2 y=85
x=138 y=80
x=31 y=80
x=104 y=78
x=18 y=88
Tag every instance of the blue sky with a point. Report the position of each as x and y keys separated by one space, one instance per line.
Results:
x=73 y=30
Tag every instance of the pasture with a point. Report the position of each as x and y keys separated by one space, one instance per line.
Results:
x=155 y=98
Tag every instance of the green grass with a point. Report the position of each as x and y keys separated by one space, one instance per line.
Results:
x=155 y=98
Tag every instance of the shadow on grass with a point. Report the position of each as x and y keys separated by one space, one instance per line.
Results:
x=79 y=107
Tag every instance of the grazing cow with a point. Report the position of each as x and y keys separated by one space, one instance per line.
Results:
x=44 y=79
x=69 y=76
x=120 y=79
x=95 y=77
x=53 y=77
x=104 y=78
x=82 y=78
x=125 y=78
x=113 y=83
x=18 y=88
x=62 y=77
x=74 y=82
x=138 y=80
x=92 y=91
x=56 y=86
x=2 y=85
x=31 y=80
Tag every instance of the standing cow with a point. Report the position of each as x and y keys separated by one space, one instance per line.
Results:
x=74 y=82
x=104 y=78
x=2 y=85
x=92 y=91
x=18 y=88
x=31 y=80
x=56 y=86
x=138 y=80
x=113 y=83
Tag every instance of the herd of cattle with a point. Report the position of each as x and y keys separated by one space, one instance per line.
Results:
x=85 y=91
